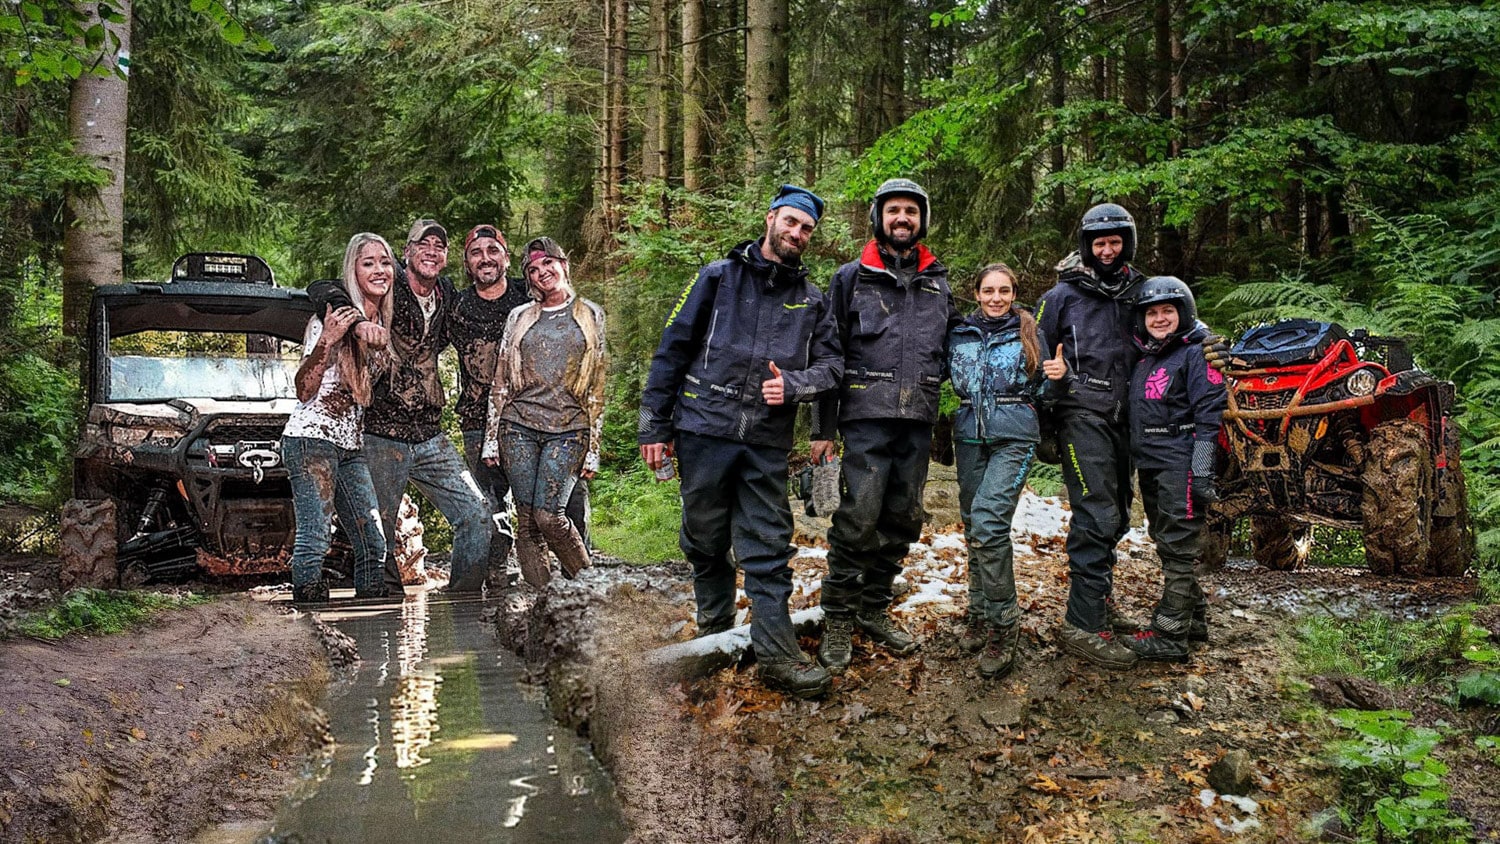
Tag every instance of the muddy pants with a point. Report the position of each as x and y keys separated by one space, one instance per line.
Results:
x=496 y=487
x=543 y=469
x=436 y=469
x=990 y=479
x=326 y=480
x=1096 y=470
x=734 y=498
x=1177 y=531
x=880 y=513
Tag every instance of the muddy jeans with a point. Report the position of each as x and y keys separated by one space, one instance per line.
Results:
x=1096 y=470
x=990 y=479
x=496 y=486
x=543 y=468
x=436 y=469
x=880 y=512
x=1178 y=536
x=327 y=479
x=734 y=498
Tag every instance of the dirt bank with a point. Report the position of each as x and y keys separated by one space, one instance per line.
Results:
x=922 y=749
x=201 y=718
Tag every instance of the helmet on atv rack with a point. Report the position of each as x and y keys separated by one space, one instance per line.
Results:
x=899 y=187
x=1106 y=219
x=1158 y=290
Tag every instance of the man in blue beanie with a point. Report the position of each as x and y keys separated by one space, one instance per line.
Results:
x=750 y=336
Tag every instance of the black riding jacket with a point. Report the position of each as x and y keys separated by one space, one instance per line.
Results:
x=741 y=314
x=1176 y=400
x=895 y=341
x=1095 y=330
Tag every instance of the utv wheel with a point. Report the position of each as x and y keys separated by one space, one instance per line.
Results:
x=1397 y=504
x=87 y=543
x=1217 y=531
x=1280 y=544
x=1452 y=545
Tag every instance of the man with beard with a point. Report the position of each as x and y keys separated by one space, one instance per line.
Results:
x=1088 y=313
x=475 y=326
x=894 y=309
x=750 y=336
x=403 y=440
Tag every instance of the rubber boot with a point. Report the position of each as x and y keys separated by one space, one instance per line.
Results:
x=837 y=648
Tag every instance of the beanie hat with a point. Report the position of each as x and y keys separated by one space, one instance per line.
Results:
x=802 y=199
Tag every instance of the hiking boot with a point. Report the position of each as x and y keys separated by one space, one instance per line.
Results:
x=974 y=634
x=883 y=631
x=999 y=655
x=801 y=678
x=1119 y=622
x=1198 y=627
x=1102 y=648
x=713 y=627
x=1156 y=645
x=836 y=649
x=310 y=594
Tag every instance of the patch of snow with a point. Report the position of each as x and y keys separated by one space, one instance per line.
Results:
x=949 y=540
x=1206 y=797
x=1041 y=516
x=1244 y=804
x=814 y=553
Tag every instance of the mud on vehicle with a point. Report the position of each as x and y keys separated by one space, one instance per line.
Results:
x=1325 y=427
x=178 y=468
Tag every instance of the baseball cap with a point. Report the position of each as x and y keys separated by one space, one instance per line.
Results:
x=485 y=230
x=423 y=228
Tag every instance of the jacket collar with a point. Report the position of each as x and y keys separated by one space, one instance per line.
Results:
x=775 y=273
x=871 y=259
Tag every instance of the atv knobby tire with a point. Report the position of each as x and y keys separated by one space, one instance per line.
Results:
x=1452 y=545
x=1218 y=530
x=1280 y=544
x=1398 y=496
x=87 y=543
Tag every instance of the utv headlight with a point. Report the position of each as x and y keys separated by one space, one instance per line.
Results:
x=1361 y=383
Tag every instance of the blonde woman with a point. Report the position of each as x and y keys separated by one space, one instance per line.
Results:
x=547 y=410
x=322 y=439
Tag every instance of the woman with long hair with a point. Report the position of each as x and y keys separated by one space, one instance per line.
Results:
x=547 y=409
x=998 y=372
x=321 y=442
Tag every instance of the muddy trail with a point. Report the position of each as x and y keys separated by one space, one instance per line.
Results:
x=1227 y=747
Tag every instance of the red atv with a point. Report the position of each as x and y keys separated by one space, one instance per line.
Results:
x=1325 y=427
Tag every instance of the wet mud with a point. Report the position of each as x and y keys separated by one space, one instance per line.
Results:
x=202 y=718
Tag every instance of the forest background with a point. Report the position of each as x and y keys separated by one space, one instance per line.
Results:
x=1338 y=160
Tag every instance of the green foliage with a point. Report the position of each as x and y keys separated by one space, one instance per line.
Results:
x=100 y=611
x=1479 y=687
x=1389 y=651
x=1392 y=784
x=634 y=517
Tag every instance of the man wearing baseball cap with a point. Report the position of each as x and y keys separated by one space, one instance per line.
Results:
x=403 y=439
x=749 y=338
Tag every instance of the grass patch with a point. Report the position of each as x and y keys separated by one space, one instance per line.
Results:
x=101 y=611
x=1392 y=652
x=634 y=517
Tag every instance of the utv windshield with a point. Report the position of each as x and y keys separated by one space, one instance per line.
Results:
x=158 y=342
x=162 y=365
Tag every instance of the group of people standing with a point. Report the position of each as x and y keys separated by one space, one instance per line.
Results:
x=532 y=364
x=1109 y=371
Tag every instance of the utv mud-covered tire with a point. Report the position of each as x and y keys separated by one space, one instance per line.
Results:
x=1218 y=530
x=87 y=543
x=1397 y=503
x=1280 y=544
x=1452 y=546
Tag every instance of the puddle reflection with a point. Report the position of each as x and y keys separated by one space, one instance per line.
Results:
x=437 y=735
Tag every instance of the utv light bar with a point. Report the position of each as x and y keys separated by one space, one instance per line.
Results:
x=222 y=266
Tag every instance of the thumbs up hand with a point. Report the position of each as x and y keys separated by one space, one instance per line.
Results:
x=1055 y=368
x=774 y=390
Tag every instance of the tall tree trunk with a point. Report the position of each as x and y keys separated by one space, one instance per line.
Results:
x=694 y=94
x=657 y=152
x=1059 y=158
x=94 y=241
x=612 y=150
x=766 y=81
x=1169 y=247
